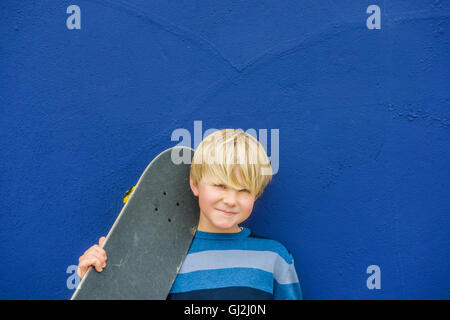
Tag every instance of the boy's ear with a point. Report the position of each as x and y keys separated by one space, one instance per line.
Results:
x=193 y=187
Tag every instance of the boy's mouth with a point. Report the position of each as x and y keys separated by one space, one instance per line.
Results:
x=227 y=213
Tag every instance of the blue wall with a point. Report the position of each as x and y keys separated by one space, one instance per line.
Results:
x=363 y=118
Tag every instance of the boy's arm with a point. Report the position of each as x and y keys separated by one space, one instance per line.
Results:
x=289 y=286
x=291 y=291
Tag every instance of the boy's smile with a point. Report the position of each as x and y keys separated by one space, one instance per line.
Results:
x=222 y=208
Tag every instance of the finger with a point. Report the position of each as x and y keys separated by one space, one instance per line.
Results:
x=101 y=258
x=99 y=251
x=92 y=261
x=88 y=261
x=98 y=268
x=101 y=241
x=96 y=248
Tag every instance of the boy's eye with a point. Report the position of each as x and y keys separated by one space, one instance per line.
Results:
x=221 y=186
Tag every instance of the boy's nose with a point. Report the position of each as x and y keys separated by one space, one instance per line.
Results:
x=230 y=198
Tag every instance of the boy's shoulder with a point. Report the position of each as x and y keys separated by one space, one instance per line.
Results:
x=268 y=244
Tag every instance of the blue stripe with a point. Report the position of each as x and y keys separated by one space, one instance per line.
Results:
x=291 y=291
x=255 y=244
x=221 y=278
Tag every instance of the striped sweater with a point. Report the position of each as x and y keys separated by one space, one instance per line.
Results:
x=236 y=266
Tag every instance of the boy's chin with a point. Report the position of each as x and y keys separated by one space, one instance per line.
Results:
x=219 y=223
x=225 y=226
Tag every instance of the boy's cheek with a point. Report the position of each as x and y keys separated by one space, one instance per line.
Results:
x=249 y=205
x=206 y=203
x=249 y=212
x=246 y=211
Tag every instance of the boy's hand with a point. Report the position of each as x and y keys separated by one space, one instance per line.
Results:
x=94 y=256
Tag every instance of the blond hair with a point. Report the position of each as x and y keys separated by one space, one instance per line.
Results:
x=224 y=153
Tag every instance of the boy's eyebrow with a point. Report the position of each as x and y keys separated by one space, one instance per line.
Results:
x=218 y=183
x=229 y=186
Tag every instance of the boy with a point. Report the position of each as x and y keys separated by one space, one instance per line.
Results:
x=229 y=171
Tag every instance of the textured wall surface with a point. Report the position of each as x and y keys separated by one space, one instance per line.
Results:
x=363 y=117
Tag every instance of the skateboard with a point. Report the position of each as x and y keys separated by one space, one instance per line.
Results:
x=151 y=236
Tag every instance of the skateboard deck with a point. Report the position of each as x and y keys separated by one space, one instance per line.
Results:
x=151 y=236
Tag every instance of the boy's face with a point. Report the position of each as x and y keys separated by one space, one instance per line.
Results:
x=222 y=208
